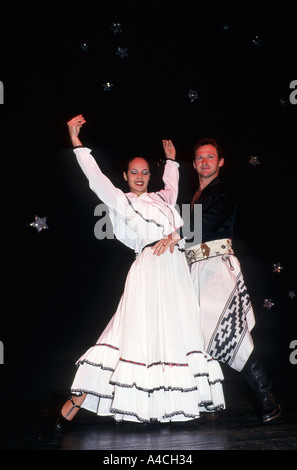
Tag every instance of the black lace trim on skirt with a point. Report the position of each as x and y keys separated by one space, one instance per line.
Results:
x=207 y=404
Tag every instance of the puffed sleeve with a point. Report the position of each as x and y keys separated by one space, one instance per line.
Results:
x=113 y=197
x=170 y=179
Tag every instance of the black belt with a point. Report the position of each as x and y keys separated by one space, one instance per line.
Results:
x=151 y=244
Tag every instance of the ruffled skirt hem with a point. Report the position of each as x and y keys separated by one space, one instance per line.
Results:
x=162 y=392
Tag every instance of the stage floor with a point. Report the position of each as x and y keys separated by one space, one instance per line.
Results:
x=27 y=425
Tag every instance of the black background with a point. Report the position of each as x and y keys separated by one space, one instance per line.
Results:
x=62 y=285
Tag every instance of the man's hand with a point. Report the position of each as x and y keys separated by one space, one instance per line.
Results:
x=74 y=126
x=167 y=242
x=169 y=149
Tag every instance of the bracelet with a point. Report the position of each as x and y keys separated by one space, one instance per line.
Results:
x=171 y=159
x=78 y=146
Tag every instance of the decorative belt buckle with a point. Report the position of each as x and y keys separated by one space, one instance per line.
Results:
x=205 y=250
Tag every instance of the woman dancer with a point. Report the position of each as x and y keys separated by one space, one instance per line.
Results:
x=148 y=364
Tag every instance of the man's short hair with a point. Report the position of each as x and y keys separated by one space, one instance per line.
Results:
x=208 y=141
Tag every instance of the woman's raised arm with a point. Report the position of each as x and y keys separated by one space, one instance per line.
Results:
x=113 y=197
x=170 y=175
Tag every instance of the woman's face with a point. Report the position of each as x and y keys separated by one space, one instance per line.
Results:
x=138 y=176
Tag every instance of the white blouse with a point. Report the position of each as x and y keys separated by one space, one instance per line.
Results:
x=137 y=220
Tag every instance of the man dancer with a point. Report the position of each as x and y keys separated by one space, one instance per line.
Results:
x=226 y=312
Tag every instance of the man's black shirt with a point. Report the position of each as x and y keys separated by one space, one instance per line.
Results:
x=218 y=212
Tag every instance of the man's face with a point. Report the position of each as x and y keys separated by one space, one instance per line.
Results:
x=207 y=162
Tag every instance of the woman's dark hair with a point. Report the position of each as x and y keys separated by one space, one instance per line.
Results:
x=138 y=156
x=208 y=141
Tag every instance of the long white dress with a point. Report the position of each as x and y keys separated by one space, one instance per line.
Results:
x=148 y=364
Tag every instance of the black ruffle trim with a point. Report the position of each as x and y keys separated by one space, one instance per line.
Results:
x=170 y=364
x=207 y=404
x=94 y=364
x=152 y=420
x=110 y=369
x=78 y=392
x=155 y=389
x=158 y=363
x=161 y=387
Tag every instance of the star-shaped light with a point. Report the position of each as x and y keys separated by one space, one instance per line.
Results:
x=39 y=223
x=254 y=161
x=84 y=47
x=107 y=86
x=122 y=52
x=257 y=41
x=283 y=102
x=193 y=95
x=277 y=268
x=292 y=294
x=268 y=303
x=116 y=28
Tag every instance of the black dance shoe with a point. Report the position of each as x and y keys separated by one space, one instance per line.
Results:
x=62 y=422
x=271 y=409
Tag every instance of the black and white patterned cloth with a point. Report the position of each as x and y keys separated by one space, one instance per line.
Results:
x=226 y=312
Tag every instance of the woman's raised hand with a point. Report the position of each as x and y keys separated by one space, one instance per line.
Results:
x=169 y=149
x=74 y=126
